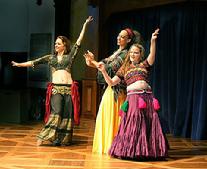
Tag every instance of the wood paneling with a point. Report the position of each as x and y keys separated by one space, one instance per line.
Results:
x=89 y=98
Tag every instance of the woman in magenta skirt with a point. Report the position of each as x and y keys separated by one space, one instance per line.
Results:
x=140 y=136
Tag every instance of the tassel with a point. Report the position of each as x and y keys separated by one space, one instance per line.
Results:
x=141 y=103
x=121 y=113
x=156 y=104
x=125 y=106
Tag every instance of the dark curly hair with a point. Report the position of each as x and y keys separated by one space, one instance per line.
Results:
x=66 y=43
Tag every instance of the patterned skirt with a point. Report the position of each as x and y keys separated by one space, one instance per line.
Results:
x=59 y=127
x=140 y=136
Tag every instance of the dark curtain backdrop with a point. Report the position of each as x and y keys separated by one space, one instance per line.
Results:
x=179 y=75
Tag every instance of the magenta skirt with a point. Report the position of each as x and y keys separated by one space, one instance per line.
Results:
x=140 y=134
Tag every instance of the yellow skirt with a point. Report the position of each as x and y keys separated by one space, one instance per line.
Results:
x=107 y=121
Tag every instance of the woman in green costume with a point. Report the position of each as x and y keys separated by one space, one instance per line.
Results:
x=59 y=125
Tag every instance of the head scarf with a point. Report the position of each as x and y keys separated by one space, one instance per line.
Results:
x=129 y=32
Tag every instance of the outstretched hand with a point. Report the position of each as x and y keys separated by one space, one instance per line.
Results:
x=155 y=34
x=14 y=63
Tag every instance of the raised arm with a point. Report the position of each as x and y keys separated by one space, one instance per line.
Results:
x=110 y=81
x=23 y=64
x=89 y=19
x=151 y=56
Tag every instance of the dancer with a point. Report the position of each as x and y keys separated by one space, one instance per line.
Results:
x=60 y=122
x=140 y=135
x=107 y=120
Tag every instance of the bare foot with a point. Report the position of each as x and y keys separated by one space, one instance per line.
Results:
x=39 y=142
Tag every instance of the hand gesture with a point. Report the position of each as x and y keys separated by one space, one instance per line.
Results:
x=14 y=63
x=154 y=34
x=101 y=67
x=89 y=57
x=99 y=64
x=89 y=19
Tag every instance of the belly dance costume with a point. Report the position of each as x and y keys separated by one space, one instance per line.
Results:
x=140 y=135
x=107 y=120
x=60 y=101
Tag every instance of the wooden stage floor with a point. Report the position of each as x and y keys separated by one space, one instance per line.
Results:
x=18 y=150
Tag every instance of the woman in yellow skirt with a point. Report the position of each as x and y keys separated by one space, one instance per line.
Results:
x=107 y=120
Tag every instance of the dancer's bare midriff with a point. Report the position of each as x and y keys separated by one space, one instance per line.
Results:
x=61 y=77
x=139 y=85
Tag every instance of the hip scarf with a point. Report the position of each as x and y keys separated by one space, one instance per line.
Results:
x=63 y=89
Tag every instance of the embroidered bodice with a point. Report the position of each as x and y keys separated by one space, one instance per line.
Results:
x=112 y=65
x=134 y=73
x=52 y=60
